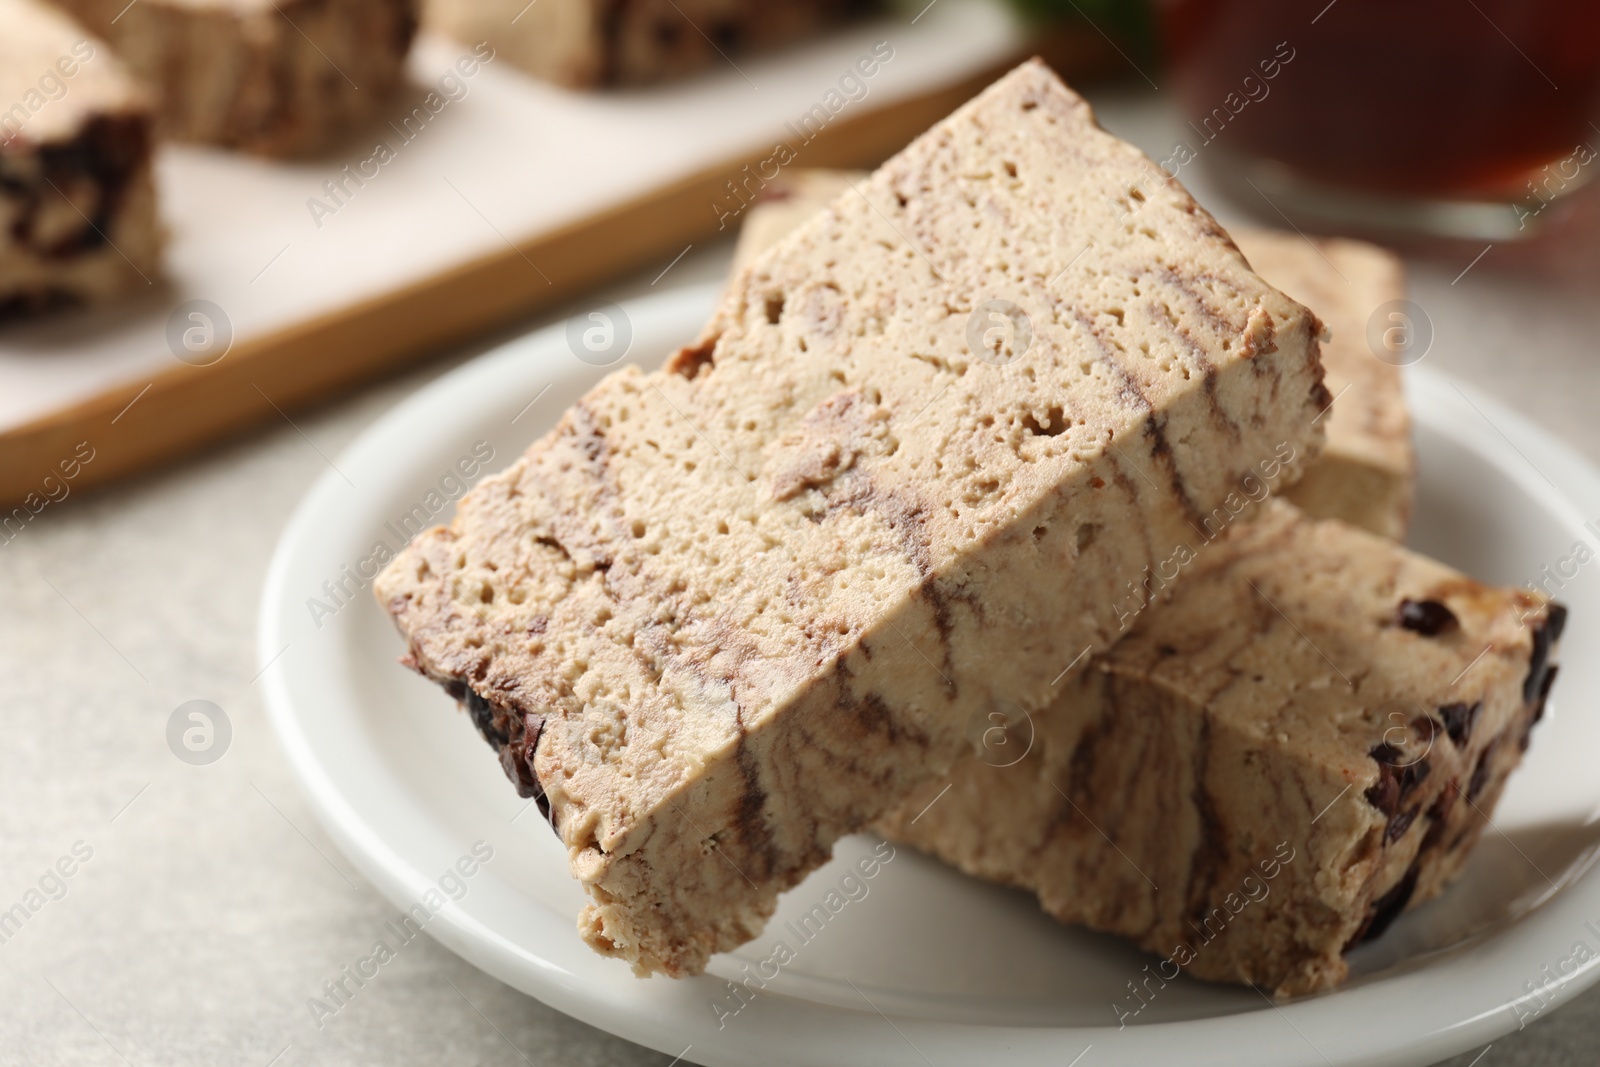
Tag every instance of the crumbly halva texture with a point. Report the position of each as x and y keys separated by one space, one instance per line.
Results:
x=783 y=204
x=272 y=77
x=78 y=217
x=587 y=44
x=1366 y=474
x=1250 y=801
x=727 y=612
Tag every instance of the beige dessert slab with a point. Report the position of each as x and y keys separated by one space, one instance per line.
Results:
x=967 y=973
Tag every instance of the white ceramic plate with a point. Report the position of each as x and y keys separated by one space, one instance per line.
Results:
x=927 y=967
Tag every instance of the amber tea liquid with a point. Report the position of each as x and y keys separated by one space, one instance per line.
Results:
x=1438 y=98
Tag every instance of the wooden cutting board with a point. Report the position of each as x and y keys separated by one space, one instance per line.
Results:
x=287 y=283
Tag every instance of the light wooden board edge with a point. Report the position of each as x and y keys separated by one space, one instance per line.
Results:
x=181 y=410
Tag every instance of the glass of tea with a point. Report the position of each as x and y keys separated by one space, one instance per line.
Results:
x=1462 y=118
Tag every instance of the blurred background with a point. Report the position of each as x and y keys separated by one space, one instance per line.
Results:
x=282 y=224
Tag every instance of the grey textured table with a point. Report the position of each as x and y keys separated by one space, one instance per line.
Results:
x=211 y=906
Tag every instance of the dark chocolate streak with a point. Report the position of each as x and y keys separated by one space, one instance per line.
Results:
x=483 y=716
x=1173 y=280
x=1439 y=815
x=1545 y=635
x=1197 y=352
x=1213 y=849
x=513 y=736
x=1483 y=770
x=1544 y=691
x=1459 y=720
x=38 y=302
x=1430 y=618
x=751 y=818
x=516 y=759
x=1321 y=399
x=1396 y=782
x=109 y=151
x=608 y=23
x=1081 y=791
x=1387 y=908
x=872 y=713
x=1398 y=825
x=855 y=491
x=1155 y=425
x=1541 y=672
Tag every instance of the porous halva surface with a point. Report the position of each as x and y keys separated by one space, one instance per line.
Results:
x=1250 y=799
x=1367 y=472
x=727 y=612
